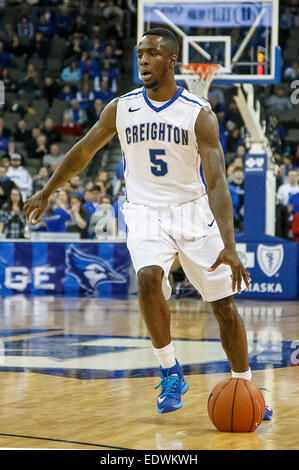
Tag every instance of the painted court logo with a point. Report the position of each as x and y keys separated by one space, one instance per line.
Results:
x=270 y=258
x=94 y=357
x=90 y=271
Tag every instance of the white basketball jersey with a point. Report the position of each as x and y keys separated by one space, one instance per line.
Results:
x=161 y=159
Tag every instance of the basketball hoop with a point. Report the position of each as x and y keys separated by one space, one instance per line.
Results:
x=199 y=77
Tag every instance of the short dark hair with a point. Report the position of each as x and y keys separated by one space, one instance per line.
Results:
x=238 y=168
x=96 y=187
x=168 y=36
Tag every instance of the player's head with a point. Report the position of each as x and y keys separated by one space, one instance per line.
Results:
x=157 y=54
x=168 y=39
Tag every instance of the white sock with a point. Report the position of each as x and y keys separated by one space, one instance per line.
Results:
x=165 y=356
x=242 y=375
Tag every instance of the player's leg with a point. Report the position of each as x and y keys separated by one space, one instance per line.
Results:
x=234 y=340
x=152 y=253
x=156 y=315
x=232 y=335
x=154 y=307
x=216 y=288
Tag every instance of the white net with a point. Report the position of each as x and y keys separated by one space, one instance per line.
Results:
x=198 y=77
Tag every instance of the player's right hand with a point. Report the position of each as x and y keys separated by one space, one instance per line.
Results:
x=230 y=257
x=35 y=206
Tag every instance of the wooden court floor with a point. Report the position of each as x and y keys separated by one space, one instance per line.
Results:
x=79 y=373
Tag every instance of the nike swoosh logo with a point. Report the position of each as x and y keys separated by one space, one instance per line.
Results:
x=210 y=225
x=160 y=400
x=133 y=110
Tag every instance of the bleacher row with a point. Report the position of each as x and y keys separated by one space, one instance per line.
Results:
x=40 y=110
x=61 y=46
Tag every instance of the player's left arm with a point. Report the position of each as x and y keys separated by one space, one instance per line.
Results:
x=213 y=165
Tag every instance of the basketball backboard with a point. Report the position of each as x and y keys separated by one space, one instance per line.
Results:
x=239 y=35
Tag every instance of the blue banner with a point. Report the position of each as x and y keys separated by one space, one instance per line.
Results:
x=210 y=14
x=272 y=266
x=93 y=269
x=105 y=269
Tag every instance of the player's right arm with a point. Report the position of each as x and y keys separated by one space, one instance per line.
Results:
x=75 y=160
x=213 y=165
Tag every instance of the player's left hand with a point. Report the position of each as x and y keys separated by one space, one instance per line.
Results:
x=230 y=257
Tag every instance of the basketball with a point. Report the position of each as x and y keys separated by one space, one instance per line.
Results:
x=236 y=405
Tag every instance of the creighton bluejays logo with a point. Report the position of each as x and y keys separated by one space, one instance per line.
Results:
x=90 y=271
x=270 y=258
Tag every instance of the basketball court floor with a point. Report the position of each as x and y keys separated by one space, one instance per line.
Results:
x=79 y=373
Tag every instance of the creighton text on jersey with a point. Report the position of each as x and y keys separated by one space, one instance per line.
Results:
x=161 y=131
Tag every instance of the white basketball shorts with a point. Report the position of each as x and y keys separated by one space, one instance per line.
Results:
x=156 y=235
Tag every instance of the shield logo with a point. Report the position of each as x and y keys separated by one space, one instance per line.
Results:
x=270 y=258
x=260 y=162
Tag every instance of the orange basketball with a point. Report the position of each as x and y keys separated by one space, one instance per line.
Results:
x=236 y=405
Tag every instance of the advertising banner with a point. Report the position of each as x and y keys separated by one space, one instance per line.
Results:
x=77 y=269
x=210 y=14
x=272 y=267
x=105 y=269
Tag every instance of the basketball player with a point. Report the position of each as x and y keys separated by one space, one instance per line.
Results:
x=169 y=138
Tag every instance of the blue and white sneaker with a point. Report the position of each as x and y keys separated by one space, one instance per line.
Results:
x=268 y=411
x=173 y=386
x=268 y=414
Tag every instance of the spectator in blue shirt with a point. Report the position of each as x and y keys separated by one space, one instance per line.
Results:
x=3 y=143
x=46 y=27
x=118 y=178
x=96 y=48
x=238 y=218
x=77 y=114
x=5 y=58
x=64 y=22
x=96 y=193
x=234 y=139
x=289 y=163
x=66 y=94
x=294 y=203
x=235 y=199
x=89 y=65
x=72 y=73
x=106 y=75
x=55 y=219
x=85 y=96
x=25 y=28
x=105 y=93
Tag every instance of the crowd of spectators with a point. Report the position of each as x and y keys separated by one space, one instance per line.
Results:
x=286 y=155
x=281 y=111
x=89 y=208
x=65 y=56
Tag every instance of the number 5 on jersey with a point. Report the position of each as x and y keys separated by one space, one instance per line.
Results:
x=160 y=168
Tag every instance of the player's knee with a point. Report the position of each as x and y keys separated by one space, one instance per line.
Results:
x=149 y=278
x=225 y=311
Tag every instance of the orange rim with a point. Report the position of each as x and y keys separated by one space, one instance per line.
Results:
x=203 y=70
